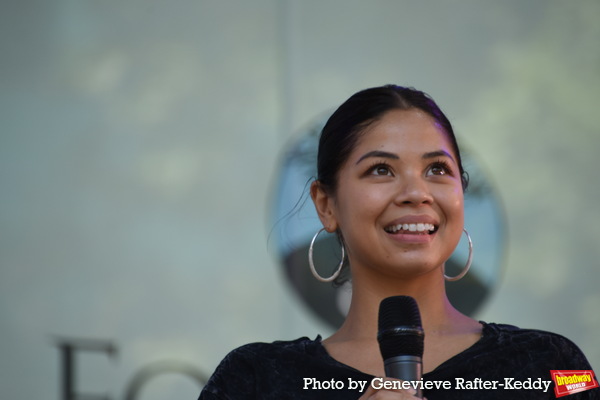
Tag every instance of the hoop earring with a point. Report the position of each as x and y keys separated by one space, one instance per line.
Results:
x=467 y=266
x=312 y=264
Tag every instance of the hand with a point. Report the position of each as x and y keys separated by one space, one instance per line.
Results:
x=389 y=394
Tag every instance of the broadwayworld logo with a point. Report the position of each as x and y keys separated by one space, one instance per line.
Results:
x=569 y=382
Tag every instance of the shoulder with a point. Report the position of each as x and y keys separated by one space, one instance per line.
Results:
x=511 y=333
x=262 y=356
x=262 y=350
x=535 y=343
x=261 y=368
x=509 y=351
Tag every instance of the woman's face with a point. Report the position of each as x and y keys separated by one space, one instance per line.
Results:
x=399 y=199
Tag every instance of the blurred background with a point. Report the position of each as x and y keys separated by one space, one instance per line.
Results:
x=141 y=144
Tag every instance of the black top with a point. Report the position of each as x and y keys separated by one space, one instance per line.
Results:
x=283 y=370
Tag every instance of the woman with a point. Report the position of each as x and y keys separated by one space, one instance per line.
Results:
x=390 y=183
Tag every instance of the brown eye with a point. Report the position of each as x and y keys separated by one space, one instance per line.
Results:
x=439 y=169
x=381 y=170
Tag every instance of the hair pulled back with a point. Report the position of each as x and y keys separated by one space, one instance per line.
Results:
x=346 y=125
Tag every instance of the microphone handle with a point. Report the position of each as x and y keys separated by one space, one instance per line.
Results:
x=407 y=368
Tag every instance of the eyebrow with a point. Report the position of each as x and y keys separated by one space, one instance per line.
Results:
x=378 y=153
x=385 y=154
x=439 y=153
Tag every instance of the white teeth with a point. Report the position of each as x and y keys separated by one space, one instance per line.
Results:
x=420 y=227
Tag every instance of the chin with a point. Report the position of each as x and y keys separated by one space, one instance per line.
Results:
x=409 y=269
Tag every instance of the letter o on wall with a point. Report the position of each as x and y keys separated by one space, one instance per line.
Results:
x=159 y=368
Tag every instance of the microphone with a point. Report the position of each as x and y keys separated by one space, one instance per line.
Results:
x=400 y=338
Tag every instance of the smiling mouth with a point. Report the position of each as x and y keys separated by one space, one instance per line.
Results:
x=414 y=229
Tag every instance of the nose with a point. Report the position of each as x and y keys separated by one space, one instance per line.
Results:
x=413 y=190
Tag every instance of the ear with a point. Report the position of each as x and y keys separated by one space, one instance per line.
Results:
x=324 y=204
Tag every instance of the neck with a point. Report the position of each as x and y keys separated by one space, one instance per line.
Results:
x=447 y=331
x=437 y=314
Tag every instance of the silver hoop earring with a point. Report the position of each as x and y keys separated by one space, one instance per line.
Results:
x=312 y=264
x=467 y=266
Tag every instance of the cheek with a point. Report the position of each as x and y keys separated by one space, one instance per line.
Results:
x=459 y=202
x=456 y=213
x=451 y=202
x=364 y=203
x=357 y=209
x=453 y=198
x=457 y=206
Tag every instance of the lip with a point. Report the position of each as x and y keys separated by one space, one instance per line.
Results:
x=411 y=237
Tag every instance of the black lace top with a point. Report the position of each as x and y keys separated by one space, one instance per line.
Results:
x=302 y=369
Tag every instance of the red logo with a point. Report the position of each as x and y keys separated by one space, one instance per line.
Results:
x=569 y=382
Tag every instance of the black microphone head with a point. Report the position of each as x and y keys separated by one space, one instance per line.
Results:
x=400 y=331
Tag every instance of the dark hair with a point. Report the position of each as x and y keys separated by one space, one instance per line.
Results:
x=345 y=126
